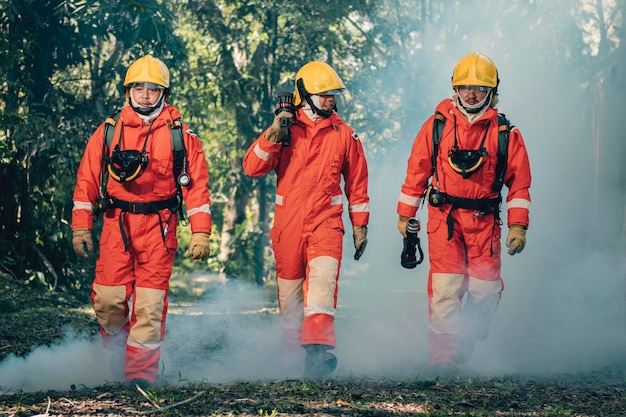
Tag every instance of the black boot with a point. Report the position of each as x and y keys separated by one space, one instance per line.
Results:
x=318 y=362
x=144 y=384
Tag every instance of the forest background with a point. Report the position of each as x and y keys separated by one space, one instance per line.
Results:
x=563 y=69
x=63 y=61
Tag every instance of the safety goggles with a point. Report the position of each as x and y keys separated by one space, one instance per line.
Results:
x=476 y=88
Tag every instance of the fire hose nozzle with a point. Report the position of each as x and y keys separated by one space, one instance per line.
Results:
x=408 y=258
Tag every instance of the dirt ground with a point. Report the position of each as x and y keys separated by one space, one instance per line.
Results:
x=601 y=393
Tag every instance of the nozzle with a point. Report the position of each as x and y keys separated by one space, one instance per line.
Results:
x=408 y=258
x=412 y=225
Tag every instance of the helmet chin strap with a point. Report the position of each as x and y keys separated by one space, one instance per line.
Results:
x=475 y=108
x=314 y=102
x=147 y=112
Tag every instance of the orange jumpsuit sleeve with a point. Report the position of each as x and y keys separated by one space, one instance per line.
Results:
x=196 y=194
x=87 y=189
x=261 y=157
x=419 y=170
x=355 y=174
x=517 y=178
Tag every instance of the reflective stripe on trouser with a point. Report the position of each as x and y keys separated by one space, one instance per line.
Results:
x=146 y=269
x=464 y=284
x=307 y=305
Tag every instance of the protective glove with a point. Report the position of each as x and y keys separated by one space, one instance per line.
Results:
x=277 y=132
x=360 y=240
x=199 y=247
x=402 y=221
x=81 y=238
x=516 y=240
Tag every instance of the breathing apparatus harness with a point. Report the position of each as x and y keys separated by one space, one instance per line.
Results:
x=466 y=163
x=127 y=165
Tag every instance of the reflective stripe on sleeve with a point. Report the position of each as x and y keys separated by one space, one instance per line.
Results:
x=409 y=200
x=518 y=203
x=359 y=208
x=205 y=208
x=261 y=153
x=336 y=200
x=82 y=205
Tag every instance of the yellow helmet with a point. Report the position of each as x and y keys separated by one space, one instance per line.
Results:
x=149 y=70
x=316 y=78
x=475 y=69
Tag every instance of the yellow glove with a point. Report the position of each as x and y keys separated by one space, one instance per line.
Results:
x=277 y=132
x=199 y=247
x=360 y=240
x=81 y=238
x=402 y=220
x=516 y=240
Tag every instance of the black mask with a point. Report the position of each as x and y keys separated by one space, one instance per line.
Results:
x=125 y=166
x=466 y=162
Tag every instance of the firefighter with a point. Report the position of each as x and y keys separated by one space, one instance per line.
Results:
x=308 y=229
x=133 y=183
x=461 y=177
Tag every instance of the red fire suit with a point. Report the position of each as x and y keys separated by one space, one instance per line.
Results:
x=464 y=283
x=139 y=265
x=308 y=229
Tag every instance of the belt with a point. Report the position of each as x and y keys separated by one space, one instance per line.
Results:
x=152 y=207
x=132 y=207
x=483 y=205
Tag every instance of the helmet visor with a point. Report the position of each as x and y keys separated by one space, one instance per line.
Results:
x=146 y=85
x=477 y=88
x=331 y=92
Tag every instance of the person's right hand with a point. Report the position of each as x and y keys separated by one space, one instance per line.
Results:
x=402 y=221
x=277 y=132
x=81 y=238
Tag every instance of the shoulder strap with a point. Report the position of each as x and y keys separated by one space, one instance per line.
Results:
x=109 y=131
x=439 y=123
x=504 y=127
x=178 y=146
x=109 y=128
x=180 y=160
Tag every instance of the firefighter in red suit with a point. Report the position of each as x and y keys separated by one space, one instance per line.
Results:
x=133 y=183
x=308 y=229
x=464 y=226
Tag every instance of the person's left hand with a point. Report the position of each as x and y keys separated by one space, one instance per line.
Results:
x=516 y=240
x=360 y=240
x=199 y=247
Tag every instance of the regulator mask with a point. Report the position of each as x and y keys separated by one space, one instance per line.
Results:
x=126 y=166
x=466 y=162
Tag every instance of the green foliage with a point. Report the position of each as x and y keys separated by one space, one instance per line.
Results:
x=63 y=61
